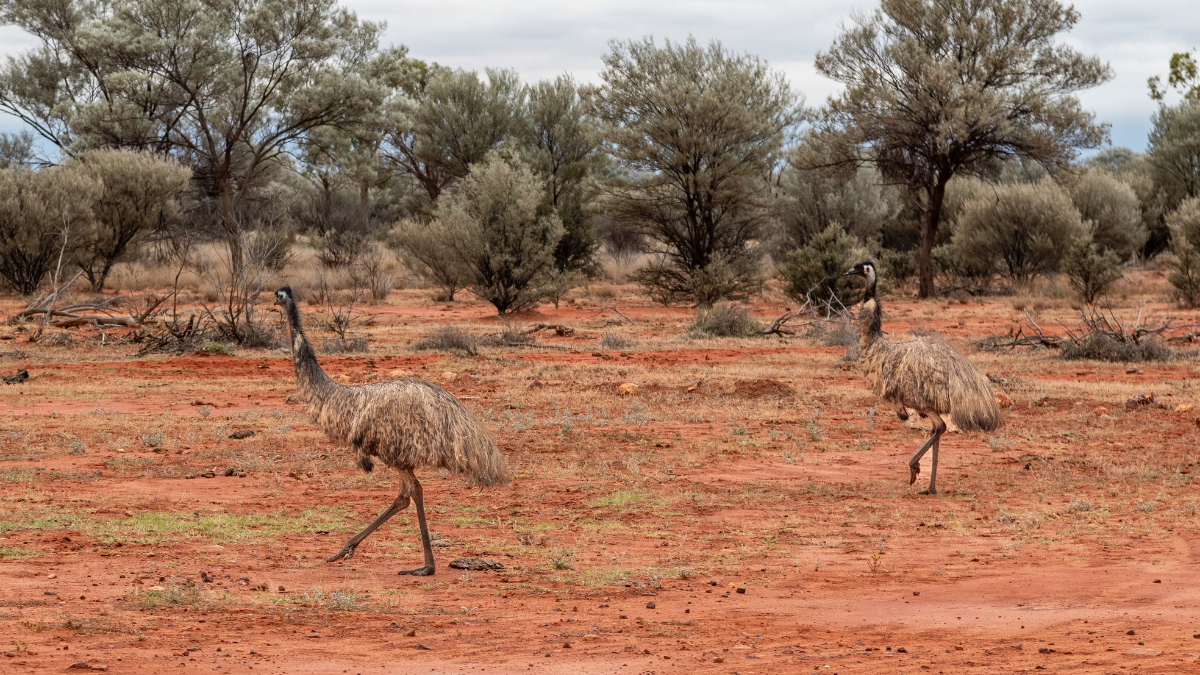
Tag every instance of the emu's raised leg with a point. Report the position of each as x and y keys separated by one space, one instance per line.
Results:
x=914 y=464
x=397 y=506
x=427 y=569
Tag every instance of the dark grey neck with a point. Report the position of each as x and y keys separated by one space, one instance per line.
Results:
x=310 y=374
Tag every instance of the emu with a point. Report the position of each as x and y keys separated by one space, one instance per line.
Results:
x=406 y=424
x=926 y=375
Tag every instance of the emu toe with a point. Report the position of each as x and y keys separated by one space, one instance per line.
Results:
x=346 y=553
x=930 y=491
x=425 y=571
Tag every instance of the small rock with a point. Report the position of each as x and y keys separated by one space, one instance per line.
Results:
x=741 y=590
x=412 y=632
x=712 y=582
x=536 y=384
x=650 y=605
x=1158 y=581
x=52 y=576
x=313 y=634
x=995 y=378
x=627 y=389
x=426 y=648
x=901 y=650
x=243 y=580
x=566 y=645
x=1146 y=398
x=1133 y=370
x=244 y=433
x=209 y=474
x=719 y=659
x=1044 y=650
x=1130 y=632
x=281 y=589
x=1143 y=652
x=1003 y=400
x=1184 y=407
x=916 y=592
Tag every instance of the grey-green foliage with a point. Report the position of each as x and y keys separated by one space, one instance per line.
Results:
x=460 y=118
x=817 y=269
x=1174 y=151
x=815 y=195
x=724 y=320
x=1024 y=229
x=697 y=131
x=562 y=145
x=230 y=85
x=17 y=150
x=492 y=225
x=1134 y=169
x=1110 y=208
x=1184 y=224
x=42 y=215
x=1091 y=269
x=424 y=248
x=937 y=88
x=137 y=187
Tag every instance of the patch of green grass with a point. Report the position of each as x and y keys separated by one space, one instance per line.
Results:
x=171 y=594
x=152 y=527
x=618 y=499
x=603 y=576
x=16 y=553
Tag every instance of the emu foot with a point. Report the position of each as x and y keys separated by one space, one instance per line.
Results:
x=913 y=471
x=346 y=553
x=931 y=491
x=424 y=571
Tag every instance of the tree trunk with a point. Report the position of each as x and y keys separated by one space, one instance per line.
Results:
x=933 y=218
x=233 y=231
x=364 y=197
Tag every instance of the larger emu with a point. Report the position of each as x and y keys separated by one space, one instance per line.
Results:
x=407 y=424
x=926 y=375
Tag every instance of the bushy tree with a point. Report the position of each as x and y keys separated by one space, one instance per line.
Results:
x=1110 y=208
x=814 y=195
x=42 y=215
x=817 y=270
x=1184 y=223
x=424 y=248
x=562 y=144
x=697 y=130
x=1022 y=228
x=491 y=229
x=937 y=88
x=1091 y=270
x=1174 y=151
x=137 y=186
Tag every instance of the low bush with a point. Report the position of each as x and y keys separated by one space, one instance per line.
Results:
x=450 y=339
x=1100 y=347
x=725 y=320
x=1090 y=270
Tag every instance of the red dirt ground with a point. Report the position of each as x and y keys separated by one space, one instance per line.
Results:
x=778 y=550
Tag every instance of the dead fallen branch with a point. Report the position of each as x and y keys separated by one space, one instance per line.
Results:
x=558 y=328
x=631 y=321
x=176 y=340
x=1021 y=336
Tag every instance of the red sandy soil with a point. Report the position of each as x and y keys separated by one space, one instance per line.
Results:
x=950 y=599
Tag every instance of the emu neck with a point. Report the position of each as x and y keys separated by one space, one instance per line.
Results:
x=313 y=380
x=870 y=317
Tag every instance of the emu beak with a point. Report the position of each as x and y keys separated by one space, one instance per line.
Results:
x=851 y=273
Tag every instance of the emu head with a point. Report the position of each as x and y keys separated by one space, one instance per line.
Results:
x=284 y=296
x=865 y=269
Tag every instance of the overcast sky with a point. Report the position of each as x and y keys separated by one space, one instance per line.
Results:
x=541 y=39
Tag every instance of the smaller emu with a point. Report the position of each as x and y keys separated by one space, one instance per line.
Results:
x=407 y=424
x=926 y=375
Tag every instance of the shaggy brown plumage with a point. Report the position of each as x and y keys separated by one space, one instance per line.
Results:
x=406 y=424
x=926 y=375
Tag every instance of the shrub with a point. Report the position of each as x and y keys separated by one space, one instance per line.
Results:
x=818 y=269
x=959 y=272
x=614 y=342
x=1111 y=209
x=1090 y=270
x=897 y=267
x=137 y=187
x=450 y=339
x=424 y=248
x=725 y=320
x=491 y=223
x=42 y=216
x=1024 y=229
x=1184 y=224
x=1100 y=347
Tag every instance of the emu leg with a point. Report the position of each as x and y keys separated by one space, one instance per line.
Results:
x=939 y=427
x=914 y=464
x=427 y=569
x=397 y=506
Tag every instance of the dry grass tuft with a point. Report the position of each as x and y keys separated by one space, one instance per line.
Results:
x=725 y=320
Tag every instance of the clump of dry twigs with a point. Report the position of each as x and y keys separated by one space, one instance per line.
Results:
x=1101 y=336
